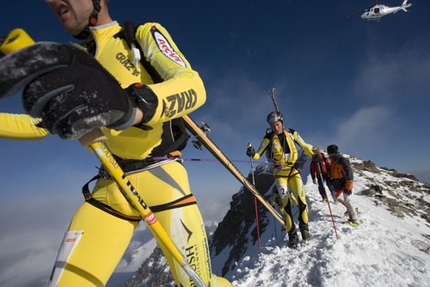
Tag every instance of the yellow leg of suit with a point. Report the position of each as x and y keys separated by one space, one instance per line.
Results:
x=296 y=184
x=106 y=237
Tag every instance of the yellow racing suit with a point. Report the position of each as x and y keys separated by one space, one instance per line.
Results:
x=282 y=151
x=100 y=238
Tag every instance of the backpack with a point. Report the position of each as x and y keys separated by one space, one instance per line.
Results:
x=323 y=164
x=268 y=150
x=175 y=127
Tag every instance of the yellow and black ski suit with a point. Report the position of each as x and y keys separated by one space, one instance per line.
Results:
x=101 y=238
x=282 y=150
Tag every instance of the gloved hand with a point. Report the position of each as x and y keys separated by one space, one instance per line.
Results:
x=67 y=88
x=347 y=191
x=250 y=151
x=316 y=158
x=314 y=181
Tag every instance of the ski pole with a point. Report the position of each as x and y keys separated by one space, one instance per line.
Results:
x=326 y=196
x=95 y=140
x=255 y=202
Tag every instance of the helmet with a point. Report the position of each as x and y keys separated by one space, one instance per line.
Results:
x=275 y=117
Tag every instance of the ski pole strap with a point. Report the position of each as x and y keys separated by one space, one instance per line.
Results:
x=100 y=205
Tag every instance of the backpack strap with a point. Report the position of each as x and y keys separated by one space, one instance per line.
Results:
x=129 y=34
x=176 y=126
x=268 y=149
x=291 y=134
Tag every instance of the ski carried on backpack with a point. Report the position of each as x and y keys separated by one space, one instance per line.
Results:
x=201 y=136
x=272 y=96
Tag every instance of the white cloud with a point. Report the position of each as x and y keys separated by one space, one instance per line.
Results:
x=365 y=127
x=395 y=75
x=32 y=230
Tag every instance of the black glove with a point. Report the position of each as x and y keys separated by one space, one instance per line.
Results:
x=250 y=151
x=316 y=158
x=347 y=191
x=67 y=88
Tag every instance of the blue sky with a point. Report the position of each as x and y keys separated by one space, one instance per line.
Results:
x=363 y=86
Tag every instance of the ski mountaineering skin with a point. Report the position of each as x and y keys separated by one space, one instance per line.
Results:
x=69 y=90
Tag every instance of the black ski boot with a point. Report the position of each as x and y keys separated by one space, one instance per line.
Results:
x=293 y=239
x=304 y=229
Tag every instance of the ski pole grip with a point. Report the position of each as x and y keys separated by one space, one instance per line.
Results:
x=17 y=39
x=95 y=135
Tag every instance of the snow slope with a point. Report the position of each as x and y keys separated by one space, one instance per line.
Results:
x=383 y=251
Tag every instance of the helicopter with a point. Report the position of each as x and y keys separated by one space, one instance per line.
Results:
x=376 y=12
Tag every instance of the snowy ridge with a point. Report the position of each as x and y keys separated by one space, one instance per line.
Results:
x=390 y=247
x=383 y=251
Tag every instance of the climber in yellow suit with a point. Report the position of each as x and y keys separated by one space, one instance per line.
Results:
x=69 y=90
x=280 y=145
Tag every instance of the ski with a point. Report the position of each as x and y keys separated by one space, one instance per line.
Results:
x=351 y=223
x=200 y=135
x=272 y=96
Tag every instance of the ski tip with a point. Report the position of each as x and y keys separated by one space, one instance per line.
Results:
x=353 y=223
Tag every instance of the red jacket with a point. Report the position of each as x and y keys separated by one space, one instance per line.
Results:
x=324 y=163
